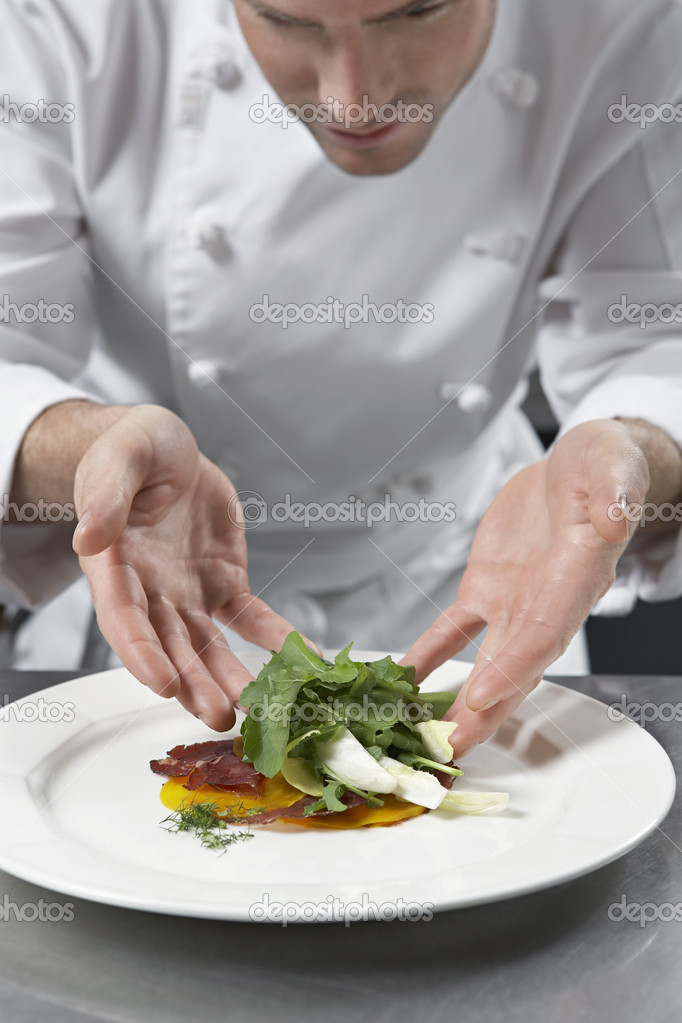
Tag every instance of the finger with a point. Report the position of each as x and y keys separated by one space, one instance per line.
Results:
x=199 y=693
x=451 y=632
x=109 y=476
x=123 y=619
x=613 y=515
x=533 y=642
x=617 y=478
x=487 y=650
x=255 y=621
x=221 y=663
x=474 y=727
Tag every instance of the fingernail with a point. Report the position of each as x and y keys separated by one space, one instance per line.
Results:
x=478 y=706
x=634 y=512
x=204 y=719
x=631 y=514
x=81 y=525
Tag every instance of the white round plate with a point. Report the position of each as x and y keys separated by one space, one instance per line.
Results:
x=82 y=812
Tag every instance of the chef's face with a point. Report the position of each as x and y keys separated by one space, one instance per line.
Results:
x=371 y=78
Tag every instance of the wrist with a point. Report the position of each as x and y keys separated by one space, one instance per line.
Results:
x=53 y=447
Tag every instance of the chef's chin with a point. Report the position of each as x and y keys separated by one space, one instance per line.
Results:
x=387 y=157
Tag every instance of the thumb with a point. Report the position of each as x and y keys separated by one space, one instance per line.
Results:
x=618 y=485
x=109 y=476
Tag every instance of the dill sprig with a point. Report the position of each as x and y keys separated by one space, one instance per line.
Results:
x=211 y=827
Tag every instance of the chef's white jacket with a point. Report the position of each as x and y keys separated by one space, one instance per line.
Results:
x=163 y=211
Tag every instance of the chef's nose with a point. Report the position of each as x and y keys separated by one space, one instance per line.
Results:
x=352 y=75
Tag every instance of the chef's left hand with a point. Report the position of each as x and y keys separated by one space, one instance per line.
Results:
x=545 y=552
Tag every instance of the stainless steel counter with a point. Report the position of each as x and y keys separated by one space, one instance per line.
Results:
x=546 y=958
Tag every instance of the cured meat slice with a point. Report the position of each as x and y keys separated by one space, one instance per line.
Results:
x=226 y=772
x=181 y=759
x=445 y=779
x=295 y=810
x=298 y=809
x=210 y=763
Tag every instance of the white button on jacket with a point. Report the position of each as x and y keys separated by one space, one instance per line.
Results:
x=175 y=220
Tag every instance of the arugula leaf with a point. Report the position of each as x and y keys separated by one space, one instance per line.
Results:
x=254 y=691
x=365 y=681
x=309 y=737
x=386 y=669
x=332 y=791
x=345 y=670
x=438 y=704
x=266 y=727
x=297 y=654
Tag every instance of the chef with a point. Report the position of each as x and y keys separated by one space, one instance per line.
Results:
x=280 y=254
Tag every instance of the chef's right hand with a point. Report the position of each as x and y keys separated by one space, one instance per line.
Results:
x=163 y=558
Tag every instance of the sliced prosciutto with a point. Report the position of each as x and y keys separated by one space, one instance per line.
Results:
x=445 y=780
x=210 y=763
x=181 y=759
x=298 y=809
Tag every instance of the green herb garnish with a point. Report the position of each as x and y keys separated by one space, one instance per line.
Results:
x=213 y=829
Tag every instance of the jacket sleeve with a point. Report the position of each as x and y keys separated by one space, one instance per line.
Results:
x=46 y=307
x=612 y=340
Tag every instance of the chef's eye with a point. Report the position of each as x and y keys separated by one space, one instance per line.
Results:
x=425 y=10
x=283 y=21
x=274 y=18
